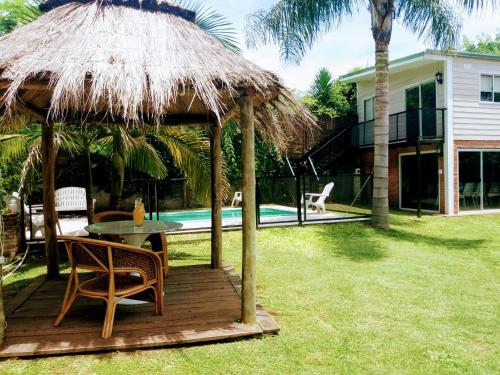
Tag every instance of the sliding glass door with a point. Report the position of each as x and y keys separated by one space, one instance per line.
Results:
x=479 y=180
x=421 y=112
x=429 y=187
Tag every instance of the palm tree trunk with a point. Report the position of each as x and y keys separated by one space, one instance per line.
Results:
x=118 y=171
x=49 y=212
x=382 y=14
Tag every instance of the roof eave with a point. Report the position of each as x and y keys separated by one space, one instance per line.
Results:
x=429 y=54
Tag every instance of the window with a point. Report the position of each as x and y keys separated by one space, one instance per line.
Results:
x=490 y=88
x=369 y=109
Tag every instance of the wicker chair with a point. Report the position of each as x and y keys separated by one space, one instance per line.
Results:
x=158 y=241
x=114 y=264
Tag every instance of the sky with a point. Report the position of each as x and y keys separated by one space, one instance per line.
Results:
x=342 y=49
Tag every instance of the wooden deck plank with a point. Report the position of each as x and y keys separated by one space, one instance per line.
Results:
x=201 y=305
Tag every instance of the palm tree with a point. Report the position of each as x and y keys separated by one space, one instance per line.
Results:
x=297 y=25
x=142 y=149
x=27 y=143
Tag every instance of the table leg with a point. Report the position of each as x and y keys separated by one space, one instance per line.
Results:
x=135 y=239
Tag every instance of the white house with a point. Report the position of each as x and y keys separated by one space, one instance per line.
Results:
x=445 y=110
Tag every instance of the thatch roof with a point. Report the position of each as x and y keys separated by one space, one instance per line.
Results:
x=121 y=61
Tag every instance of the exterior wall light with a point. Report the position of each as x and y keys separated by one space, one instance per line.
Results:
x=439 y=77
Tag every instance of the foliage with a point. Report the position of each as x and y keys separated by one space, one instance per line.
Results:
x=330 y=98
x=296 y=25
x=268 y=159
x=484 y=44
x=14 y=13
x=23 y=150
x=214 y=24
x=421 y=298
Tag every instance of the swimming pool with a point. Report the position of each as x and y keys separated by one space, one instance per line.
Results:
x=227 y=213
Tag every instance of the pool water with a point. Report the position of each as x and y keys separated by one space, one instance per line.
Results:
x=227 y=213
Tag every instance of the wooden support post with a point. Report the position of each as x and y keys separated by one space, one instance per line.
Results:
x=248 y=299
x=49 y=212
x=216 y=173
x=2 y=309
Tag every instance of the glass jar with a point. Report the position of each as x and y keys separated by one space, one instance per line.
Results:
x=139 y=213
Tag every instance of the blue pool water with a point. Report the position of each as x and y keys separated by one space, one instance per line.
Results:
x=227 y=213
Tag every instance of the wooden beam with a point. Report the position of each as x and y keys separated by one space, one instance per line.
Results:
x=33 y=113
x=49 y=212
x=43 y=85
x=216 y=169
x=247 y=122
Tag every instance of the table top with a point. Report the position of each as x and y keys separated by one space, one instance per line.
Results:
x=127 y=227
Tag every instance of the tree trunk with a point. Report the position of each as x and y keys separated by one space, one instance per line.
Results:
x=382 y=14
x=90 y=186
x=216 y=176
x=248 y=294
x=118 y=171
x=49 y=212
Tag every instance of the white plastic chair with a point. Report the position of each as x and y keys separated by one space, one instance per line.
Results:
x=238 y=198
x=71 y=199
x=36 y=217
x=319 y=204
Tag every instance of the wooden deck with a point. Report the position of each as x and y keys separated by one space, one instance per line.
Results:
x=201 y=305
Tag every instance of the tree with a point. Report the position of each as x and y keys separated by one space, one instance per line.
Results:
x=485 y=44
x=268 y=159
x=145 y=150
x=330 y=98
x=296 y=25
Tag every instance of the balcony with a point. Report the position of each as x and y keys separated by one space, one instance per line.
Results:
x=423 y=124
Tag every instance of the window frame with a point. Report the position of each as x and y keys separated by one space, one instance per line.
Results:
x=372 y=99
x=493 y=77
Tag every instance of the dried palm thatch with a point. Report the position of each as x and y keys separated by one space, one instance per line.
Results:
x=131 y=62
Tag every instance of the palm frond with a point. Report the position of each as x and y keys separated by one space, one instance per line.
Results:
x=477 y=5
x=436 y=21
x=296 y=25
x=190 y=153
x=141 y=156
x=12 y=146
x=214 y=24
x=15 y=13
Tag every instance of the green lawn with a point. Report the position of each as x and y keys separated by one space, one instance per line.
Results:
x=421 y=298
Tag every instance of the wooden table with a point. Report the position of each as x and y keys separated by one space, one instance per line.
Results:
x=131 y=234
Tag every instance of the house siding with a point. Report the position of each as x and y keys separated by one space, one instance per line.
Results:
x=398 y=83
x=473 y=119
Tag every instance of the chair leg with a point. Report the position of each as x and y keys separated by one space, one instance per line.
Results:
x=67 y=301
x=158 y=300
x=109 y=318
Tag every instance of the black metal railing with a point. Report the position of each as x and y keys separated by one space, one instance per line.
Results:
x=424 y=124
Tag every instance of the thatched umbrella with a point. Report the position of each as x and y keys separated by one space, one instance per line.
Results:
x=117 y=61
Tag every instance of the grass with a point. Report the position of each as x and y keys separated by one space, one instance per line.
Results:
x=420 y=298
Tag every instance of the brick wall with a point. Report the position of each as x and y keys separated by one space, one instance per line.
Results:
x=466 y=145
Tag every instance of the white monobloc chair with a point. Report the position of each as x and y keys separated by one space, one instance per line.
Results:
x=319 y=203
x=238 y=198
x=37 y=224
